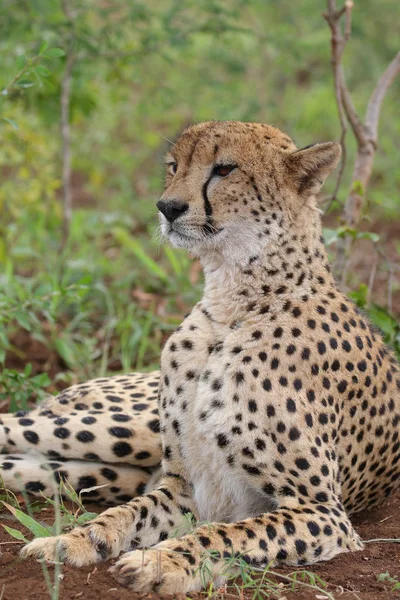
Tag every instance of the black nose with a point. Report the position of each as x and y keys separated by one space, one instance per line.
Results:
x=172 y=209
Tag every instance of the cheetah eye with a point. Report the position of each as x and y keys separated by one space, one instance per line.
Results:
x=223 y=170
x=173 y=167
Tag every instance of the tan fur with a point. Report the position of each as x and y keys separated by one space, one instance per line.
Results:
x=279 y=404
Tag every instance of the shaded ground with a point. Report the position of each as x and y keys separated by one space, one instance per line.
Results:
x=348 y=576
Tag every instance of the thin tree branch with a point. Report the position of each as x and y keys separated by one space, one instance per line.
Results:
x=348 y=8
x=351 y=113
x=375 y=102
x=337 y=48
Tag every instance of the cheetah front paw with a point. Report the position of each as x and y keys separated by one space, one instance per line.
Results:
x=159 y=569
x=82 y=546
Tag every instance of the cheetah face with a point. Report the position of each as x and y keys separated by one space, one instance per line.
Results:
x=234 y=187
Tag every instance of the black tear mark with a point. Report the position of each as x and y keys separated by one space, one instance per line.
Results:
x=208 y=227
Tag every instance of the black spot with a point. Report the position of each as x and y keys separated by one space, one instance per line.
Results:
x=291 y=405
x=85 y=437
x=122 y=449
x=121 y=418
x=294 y=434
x=25 y=422
x=120 y=432
x=222 y=440
x=301 y=546
x=31 y=436
x=267 y=385
x=86 y=481
x=109 y=474
x=154 y=425
x=143 y=455
x=35 y=486
x=314 y=528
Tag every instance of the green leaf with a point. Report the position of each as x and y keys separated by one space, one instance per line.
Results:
x=25 y=83
x=43 y=71
x=43 y=47
x=368 y=235
x=27 y=370
x=21 y=61
x=54 y=53
x=123 y=237
x=360 y=296
x=11 y=122
x=87 y=516
x=16 y=534
x=358 y=188
x=66 y=351
x=330 y=236
x=34 y=527
x=23 y=320
x=383 y=320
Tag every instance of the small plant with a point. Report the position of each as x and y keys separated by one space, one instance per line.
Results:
x=65 y=519
x=68 y=516
x=392 y=580
x=18 y=387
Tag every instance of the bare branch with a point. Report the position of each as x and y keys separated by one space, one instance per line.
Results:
x=348 y=7
x=375 y=102
x=343 y=97
x=337 y=46
x=351 y=113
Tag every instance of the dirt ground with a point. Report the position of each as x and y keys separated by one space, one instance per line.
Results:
x=348 y=577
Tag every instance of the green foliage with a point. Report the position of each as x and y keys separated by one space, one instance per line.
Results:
x=18 y=387
x=68 y=516
x=392 y=580
x=380 y=316
x=108 y=298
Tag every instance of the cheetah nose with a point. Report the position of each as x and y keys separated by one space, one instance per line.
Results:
x=172 y=209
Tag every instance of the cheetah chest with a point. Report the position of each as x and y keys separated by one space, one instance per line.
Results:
x=221 y=492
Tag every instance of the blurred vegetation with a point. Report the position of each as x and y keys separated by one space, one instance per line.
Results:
x=108 y=298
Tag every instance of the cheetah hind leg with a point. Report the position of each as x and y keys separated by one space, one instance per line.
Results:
x=39 y=476
x=112 y=420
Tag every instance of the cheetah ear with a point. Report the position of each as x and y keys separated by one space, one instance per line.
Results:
x=310 y=166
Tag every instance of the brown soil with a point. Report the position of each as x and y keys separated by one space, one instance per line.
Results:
x=348 y=577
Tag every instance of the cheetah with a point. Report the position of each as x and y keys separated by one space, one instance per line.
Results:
x=278 y=402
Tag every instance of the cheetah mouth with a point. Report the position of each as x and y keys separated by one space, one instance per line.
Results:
x=196 y=235
x=172 y=231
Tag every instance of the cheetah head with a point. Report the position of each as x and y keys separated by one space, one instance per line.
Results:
x=234 y=187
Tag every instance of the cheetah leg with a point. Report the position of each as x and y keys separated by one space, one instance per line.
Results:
x=143 y=521
x=103 y=436
x=40 y=477
x=298 y=536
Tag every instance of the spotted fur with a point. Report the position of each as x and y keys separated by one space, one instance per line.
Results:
x=279 y=404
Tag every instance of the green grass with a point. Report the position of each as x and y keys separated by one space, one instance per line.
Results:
x=107 y=302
